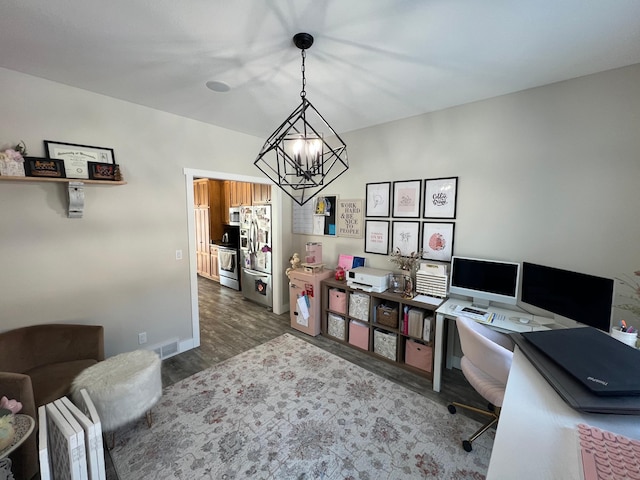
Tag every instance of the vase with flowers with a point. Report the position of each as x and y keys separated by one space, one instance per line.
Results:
x=408 y=264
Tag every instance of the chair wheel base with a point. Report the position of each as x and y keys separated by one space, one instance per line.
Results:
x=466 y=444
x=451 y=408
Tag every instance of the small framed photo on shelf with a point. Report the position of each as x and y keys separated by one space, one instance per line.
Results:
x=76 y=157
x=378 y=199
x=406 y=237
x=406 y=199
x=102 y=171
x=44 y=167
x=440 y=195
x=376 y=236
x=437 y=240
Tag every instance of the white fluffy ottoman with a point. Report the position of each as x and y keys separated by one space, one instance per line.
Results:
x=122 y=388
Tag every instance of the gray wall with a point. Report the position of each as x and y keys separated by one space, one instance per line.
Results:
x=116 y=266
x=547 y=175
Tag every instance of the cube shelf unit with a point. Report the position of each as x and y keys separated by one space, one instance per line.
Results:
x=389 y=299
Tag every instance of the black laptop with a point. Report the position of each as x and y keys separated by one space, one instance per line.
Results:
x=566 y=358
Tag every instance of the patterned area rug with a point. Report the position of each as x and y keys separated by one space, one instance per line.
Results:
x=290 y=410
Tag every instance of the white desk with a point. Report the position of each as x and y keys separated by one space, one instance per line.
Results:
x=446 y=311
x=536 y=437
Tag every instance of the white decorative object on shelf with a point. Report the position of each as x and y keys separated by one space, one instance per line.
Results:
x=12 y=161
x=11 y=167
x=430 y=284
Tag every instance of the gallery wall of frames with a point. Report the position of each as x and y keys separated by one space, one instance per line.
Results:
x=411 y=216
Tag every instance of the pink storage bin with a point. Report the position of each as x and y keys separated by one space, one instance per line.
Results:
x=359 y=335
x=337 y=300
x=418 y=355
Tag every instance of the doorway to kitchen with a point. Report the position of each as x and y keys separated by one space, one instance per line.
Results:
x=277 y=252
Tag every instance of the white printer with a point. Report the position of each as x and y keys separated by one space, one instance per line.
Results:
x=368 y=279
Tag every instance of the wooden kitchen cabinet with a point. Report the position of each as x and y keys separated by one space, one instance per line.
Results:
x=215 y=271
x=225 y=198
x=203 y=240
x=260 y=194
x=240 y=194
x=201 y=192
x=244 y=194
x=216 y=210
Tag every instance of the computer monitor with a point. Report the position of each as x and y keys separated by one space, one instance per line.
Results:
x=584 y=298
x=485 y=280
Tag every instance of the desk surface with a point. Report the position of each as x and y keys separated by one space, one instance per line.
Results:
x=536 y=437
x=511 y=322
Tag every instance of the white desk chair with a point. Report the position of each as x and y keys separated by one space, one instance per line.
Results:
x=486 y=361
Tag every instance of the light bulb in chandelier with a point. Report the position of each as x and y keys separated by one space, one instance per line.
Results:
x=306 y=151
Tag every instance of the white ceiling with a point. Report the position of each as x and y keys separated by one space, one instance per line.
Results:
x=373 y=61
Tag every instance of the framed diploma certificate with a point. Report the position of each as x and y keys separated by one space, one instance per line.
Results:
x=76 y=157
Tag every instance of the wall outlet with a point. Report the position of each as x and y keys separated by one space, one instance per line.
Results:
x=142 y=338
x=178 y=254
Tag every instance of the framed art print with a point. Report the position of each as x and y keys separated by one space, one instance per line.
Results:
x=349 y=218
x=406 y=237
x=437 y=240
x=406 y=199
x=44 y=167
x=378 y=199
x=440 y=196
x=376 y=236
x=102 y=171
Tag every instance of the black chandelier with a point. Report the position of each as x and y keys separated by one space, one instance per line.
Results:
x=304 y=154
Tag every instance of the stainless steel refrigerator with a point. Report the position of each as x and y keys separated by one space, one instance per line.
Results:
x=255 y=253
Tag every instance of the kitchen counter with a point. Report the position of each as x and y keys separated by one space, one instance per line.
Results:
x=220 y=243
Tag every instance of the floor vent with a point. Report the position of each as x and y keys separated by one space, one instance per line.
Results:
x=168 y=349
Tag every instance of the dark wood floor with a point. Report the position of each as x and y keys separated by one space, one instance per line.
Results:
x=230 y=325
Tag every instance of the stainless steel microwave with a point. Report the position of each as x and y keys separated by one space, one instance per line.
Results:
x=234 y=216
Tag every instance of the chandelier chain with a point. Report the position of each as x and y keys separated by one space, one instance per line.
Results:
x=303 y=93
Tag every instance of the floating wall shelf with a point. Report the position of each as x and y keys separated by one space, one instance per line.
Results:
x=75 y=189
x=61 y=180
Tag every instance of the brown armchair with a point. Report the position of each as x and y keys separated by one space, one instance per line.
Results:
x=37 y=365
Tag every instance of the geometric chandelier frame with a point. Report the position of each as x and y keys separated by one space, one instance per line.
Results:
x=304 y=154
